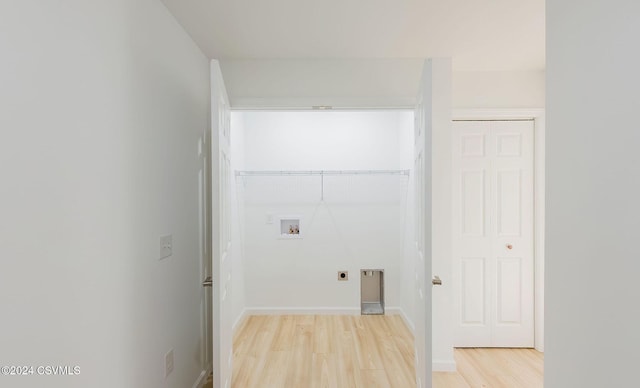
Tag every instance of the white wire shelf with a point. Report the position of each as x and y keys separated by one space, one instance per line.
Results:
x=321 y=172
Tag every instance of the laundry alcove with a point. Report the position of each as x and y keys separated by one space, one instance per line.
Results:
x=317 y=193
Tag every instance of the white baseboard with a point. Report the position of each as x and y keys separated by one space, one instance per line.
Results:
x=313 y=311
x=239 y=320
x=201 y=379
x=443 y=366
x=407 y=321
x=302 y=311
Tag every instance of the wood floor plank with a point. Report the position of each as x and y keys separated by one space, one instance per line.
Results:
x=449 y=380
x=348 y=370
x=275 y=370
x=244 y=368
x=404 y=375
x=499 y=368
x=375 y=379
x=259 y=348
x=366 y=350
x=304 y=319
x=283 y=340
x=324 y=371
x=300 y=364
x=362 y=352
x=322 y=334
x=245 y=335
x=403 y=338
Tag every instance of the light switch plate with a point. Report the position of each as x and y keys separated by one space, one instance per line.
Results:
x=166 y=246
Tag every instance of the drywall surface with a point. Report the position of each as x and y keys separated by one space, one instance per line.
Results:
x=321 y=140
x=346 y=222
x=441 y=222
x=592 y=208
x=308 y=82
x=103 y=103
x=498 y=89
x=369 y=83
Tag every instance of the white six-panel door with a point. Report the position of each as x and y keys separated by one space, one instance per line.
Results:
x=493 y=268
x=432 y=115
x=221 y=230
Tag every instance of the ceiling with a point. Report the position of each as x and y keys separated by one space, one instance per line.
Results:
x=363 y=53
x=480 y=35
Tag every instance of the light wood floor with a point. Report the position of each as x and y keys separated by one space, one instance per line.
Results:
x=493 y=368
x=305 y=351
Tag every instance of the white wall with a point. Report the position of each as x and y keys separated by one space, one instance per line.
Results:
x=309 y=82
x=593 y=213
x=103 y=103
x=356 y=226
x=322 y=140
x=441 y=220
x=370 y=83
x=498 y=89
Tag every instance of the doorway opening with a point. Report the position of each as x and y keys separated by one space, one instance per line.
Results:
x=342 y=178
x=236 y=311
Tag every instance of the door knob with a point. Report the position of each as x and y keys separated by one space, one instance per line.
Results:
x=509 y=246
x=436 y=281
x=207 y=282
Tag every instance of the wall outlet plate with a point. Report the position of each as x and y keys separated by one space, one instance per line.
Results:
x=168 y=363
x=343 y=276
x=166 y=246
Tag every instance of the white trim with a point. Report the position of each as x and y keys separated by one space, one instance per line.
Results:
x=393 y=310
x=443 y=366
x=407 y=321
x=539 y=224
x=201 y=379
x=497 y=114
x=333 y=103
x=243 y=315
x=302 y=311
x=538 y=115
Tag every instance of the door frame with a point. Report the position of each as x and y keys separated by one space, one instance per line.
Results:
x=206 y=259
x=538 y=117
x=221 y=243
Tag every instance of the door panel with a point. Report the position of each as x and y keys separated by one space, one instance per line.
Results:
x=422 y=181
x=500 y=290
x=509 y=295
x=473 y=204
x=473 y=285
x=221 y=227
x=508 y=202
